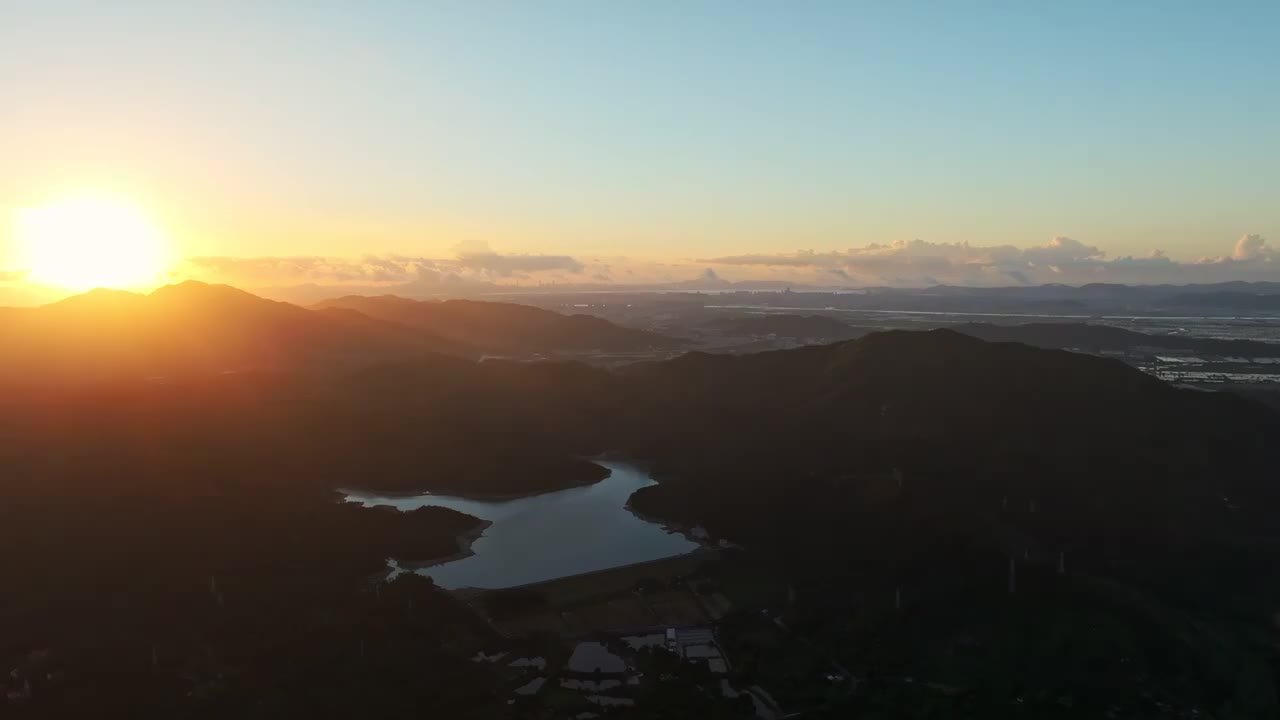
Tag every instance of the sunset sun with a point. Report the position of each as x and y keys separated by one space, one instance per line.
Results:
x=92 y=241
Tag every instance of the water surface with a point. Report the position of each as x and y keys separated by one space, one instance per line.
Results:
x=547 y=536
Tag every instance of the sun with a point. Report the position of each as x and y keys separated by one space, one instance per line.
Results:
x=91 y=241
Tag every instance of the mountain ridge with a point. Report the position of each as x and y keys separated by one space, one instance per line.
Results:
x=906 y=471
x=503 y=327
x=1091 y=337
x=187 y=328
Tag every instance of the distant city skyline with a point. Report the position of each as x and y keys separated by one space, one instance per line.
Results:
x=834 y=144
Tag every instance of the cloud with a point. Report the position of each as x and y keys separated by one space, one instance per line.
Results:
x=1061 y=259
x=910 y=263
x=1156 y=260
x=477 y=258
x=516 y=265
x=271 y=270
x=1019 y=277
x=1250 y=252
x=1062 y=250
x=478 y=265
x=1251 y=247
x=917 y=262
x=800 y=259
x=13 y=276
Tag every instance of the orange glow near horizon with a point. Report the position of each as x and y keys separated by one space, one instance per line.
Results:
x=88 y=241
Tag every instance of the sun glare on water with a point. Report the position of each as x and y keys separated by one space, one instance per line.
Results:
x=92 y=241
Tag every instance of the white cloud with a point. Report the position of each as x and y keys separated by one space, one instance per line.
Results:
x=270 y=270
x=1061 y=259
x=1062 y=251
x=504 y=266
x=478 y=266
x=910 y=263
x=1251 y=247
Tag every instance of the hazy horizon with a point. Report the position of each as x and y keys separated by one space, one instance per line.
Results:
x=580 y=144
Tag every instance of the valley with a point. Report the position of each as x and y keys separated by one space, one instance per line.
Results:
x=908 y=522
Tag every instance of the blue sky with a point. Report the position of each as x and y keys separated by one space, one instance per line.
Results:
x=665 y=131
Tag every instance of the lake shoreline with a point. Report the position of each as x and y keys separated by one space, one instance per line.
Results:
x=464 y=495
x=673 y=527
x=531 y=539
x=464 y=539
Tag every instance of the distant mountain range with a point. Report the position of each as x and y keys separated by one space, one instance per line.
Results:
x=1099 y=338
x=1060 y=300
x=1065 y=301
x=1101 y=290
x=805 y=327
x=503 y=327
x=1228 y=296
x=194 y=328
x=930 y=404
x=1100 y=448
x=924 y=465
x=1209 y=295
x=1231 y=301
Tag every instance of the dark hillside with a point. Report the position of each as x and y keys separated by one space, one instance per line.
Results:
x=505 y=327
x=1101 y=448
x=1096 y=338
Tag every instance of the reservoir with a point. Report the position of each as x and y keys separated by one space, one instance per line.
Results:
x=551 y=535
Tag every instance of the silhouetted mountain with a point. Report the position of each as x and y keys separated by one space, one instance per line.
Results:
x=934 y=404
x=189 y=529
x=1104 y=449
x=938 y=467
x=192 y=328
x=1101 y=291
x=1095 y=338
x=504 y=327
x=1232 y=301
x=810 y=327
x=1097 y=299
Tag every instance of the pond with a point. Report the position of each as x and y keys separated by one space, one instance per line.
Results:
x=551 y=535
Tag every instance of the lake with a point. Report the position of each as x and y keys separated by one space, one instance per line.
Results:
x=551 y=535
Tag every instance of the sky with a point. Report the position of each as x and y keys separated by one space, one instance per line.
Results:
x=899 y=143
